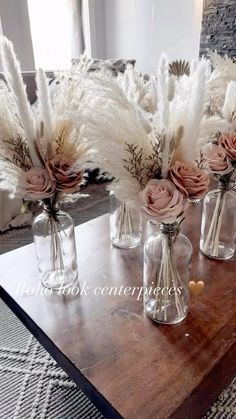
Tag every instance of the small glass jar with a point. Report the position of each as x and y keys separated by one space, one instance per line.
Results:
x=125 y=224
x=167 y=262
x=218 y=223
x=54 y=239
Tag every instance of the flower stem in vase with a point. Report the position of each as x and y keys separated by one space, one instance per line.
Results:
x=166 y=266
x=55 y=247
x=125 y=224
x=216 y=226
x=56 y=250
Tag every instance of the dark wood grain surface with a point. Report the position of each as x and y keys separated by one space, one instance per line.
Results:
x=129 y=366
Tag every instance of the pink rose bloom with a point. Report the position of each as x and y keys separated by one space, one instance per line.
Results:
x=228 y=142
x=36 y=184
x=216 y=159
x=60 y=171
x=162 y=200
x=189 y=179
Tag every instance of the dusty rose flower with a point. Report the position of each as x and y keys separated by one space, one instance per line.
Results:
x=228 y=142
x=60 y=171
x=216 y=159
x=189 y=179
x=162 y=200
x=36 y=184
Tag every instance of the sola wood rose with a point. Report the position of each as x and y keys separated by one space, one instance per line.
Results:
x=189 y=179
x=228 y=143
x=162 y=200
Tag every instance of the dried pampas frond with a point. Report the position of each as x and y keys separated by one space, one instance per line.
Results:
x=222 y=64
x=45 y=108
x=179 y=68
x=194 y=111
x=12 y=73
x=229 y=107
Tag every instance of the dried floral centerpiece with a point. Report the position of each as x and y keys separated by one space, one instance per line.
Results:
x=153 y=164
x=219 y=158
x=42 y=158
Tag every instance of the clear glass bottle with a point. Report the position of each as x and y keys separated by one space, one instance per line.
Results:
x=125 y=224
x=167 y=262
x=54 y=239
x=218 y=223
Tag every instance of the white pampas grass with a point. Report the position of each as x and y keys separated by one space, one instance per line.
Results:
x=45 y=109
x=10 y=180
x=171 y=89
x=229 y=107
x=193 y=111
x=162 y=90
x=12 y=73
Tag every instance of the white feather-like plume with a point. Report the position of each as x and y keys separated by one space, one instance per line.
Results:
x=45 y=109
x=12 y=73
x=166 y=94
x=193 y=111
x=229 y=107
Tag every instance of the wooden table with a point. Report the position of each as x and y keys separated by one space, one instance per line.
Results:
x=127 y=365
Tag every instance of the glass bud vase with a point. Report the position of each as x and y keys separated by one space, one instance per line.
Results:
x=218 y=223
x=167 y=262
x=54 y=239
x=125 y=224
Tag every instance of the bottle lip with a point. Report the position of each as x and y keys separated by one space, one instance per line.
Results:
x=226 y=186
x=50 y=207
x=170 y=229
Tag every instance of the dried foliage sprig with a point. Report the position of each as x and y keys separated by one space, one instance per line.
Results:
x=134 y=162
x=20 y=152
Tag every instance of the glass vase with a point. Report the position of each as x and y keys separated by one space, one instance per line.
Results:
x=54 y=239
x=167 y=262
x=218 y=223
x=125 y=224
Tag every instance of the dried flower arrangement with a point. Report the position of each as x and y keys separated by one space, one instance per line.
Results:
x=43 y=153
x=43 y=156
x=152 y=155
x=218 y=156
x=136 y=149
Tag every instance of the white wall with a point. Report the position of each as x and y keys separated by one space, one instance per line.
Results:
x=15 y=25
x=142 y=29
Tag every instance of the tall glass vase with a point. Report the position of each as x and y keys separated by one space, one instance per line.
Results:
x=167 y=261
x=54 y=239
x=218 y=223
x=125 y=224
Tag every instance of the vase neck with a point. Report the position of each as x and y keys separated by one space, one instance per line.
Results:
x=50 y=207
x=226 y=186
x=169 y=229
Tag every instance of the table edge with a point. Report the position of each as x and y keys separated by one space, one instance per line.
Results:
x=210 y=387
x=102 y=404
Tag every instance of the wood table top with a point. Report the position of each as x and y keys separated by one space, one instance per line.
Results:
x=129 y=366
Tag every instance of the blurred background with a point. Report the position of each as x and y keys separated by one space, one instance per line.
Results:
x=50 y=33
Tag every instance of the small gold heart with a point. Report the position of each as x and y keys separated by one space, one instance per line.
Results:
x=196 y=288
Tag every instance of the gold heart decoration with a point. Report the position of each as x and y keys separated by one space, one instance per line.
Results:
x=196 y=288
